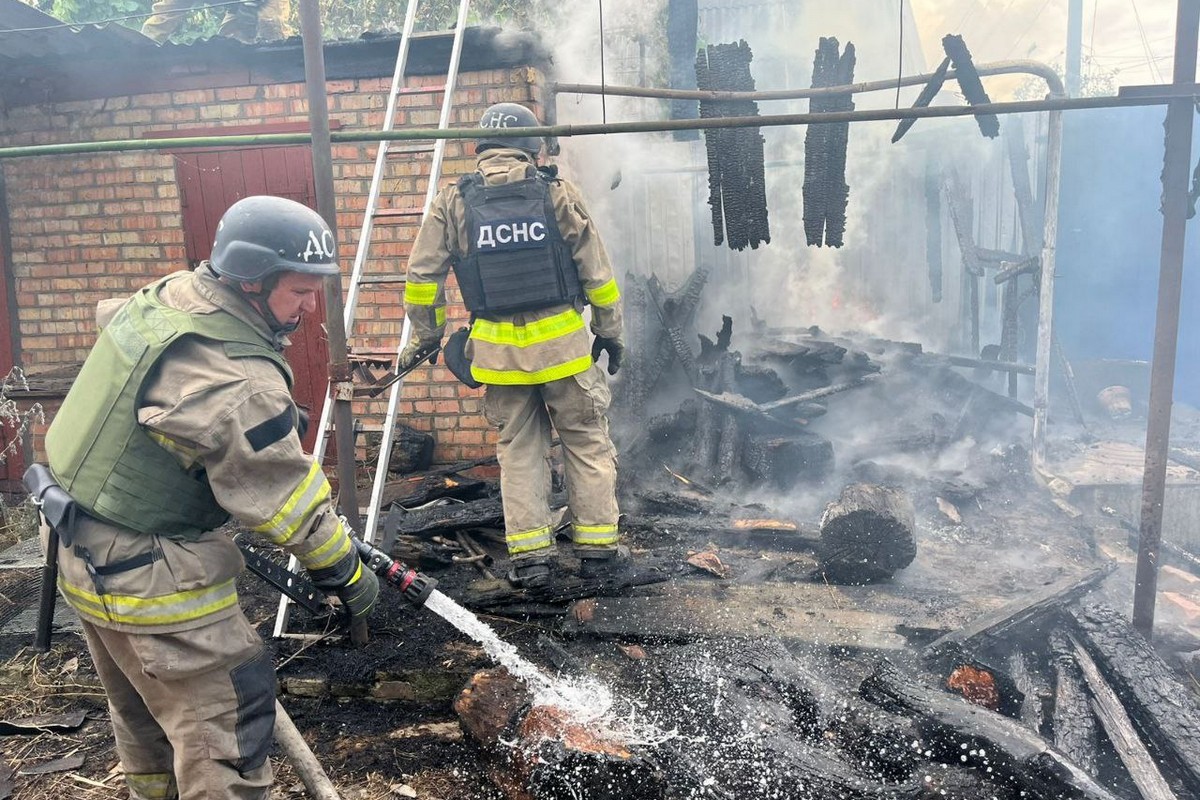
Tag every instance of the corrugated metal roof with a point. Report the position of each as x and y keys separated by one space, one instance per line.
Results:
x=26 y=33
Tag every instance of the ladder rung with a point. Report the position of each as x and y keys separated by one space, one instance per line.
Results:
x=398 y=213
x=381 y=279
x=438 y=89
x=409 y=151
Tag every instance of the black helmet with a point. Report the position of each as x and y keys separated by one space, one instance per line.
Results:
x=509 y=115
x=263 y=235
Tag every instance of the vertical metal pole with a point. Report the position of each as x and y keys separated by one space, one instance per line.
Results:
x=1074 y=47
x=1166 y=326
x=341 y=389
x=1041 y=378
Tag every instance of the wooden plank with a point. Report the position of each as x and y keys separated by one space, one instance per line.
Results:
x=993 y=626
x=1130 y=749
x=1165 y=712
x=738 y=612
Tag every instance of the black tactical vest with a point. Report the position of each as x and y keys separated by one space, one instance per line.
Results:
x=516 y=257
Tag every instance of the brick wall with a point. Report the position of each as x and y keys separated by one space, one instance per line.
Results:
x=90 y=227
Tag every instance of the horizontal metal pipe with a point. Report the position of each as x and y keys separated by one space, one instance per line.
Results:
x=590 y=129
x=997 y=68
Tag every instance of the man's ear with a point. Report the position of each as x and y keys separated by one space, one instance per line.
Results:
x=250 y=287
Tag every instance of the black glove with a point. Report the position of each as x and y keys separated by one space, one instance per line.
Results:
x=354 y=584
x=613 y=347
x=360 y=594
x=412 y=353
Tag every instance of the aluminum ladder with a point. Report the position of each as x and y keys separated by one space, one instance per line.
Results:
x=370 y=215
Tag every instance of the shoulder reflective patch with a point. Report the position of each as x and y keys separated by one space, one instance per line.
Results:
x=268 y=433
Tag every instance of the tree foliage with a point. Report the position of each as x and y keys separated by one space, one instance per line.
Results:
x=339 y=19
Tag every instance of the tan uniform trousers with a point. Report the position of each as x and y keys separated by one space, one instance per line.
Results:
x=576 y=406
x=244 y=22
x=193 y=712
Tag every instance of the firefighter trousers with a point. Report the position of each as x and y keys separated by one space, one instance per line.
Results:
x=248 y=22
x=576 y=407
x=193 y=712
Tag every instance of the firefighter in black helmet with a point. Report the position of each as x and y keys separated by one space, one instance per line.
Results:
x=182 y=417
x=528 y=257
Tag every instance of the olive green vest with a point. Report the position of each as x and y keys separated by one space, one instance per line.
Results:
x=101 y=455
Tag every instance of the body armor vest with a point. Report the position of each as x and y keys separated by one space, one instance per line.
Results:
x=100 y=454
x=516 y=259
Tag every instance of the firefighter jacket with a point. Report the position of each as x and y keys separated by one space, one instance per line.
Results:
x=222 y=410
x=527 y=347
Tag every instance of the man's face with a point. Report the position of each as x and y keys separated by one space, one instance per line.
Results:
x=294 y=295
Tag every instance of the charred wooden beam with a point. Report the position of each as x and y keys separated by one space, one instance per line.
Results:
x=1075 y=732
x=485 y=513
x=867 y=534
x=1032 y=688
x=421 y=489
x=683 y=351
x=1164 y=711
x=1130 y=749
x=956 y=730
x=938 y=360
x=1032 y=609
x=772 y=730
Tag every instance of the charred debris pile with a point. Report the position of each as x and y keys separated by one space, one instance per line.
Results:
x=1047 y=699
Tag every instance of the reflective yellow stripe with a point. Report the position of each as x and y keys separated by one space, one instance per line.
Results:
x=420 y=294
x=595 y=534
x=439 y=316
x=186 y=455
x=163 y=610
x=605 y=294
x=516 y=377
x=543 y=330
x=329 y=553
x=527 y=541
x=152 y=785
x=311 y=492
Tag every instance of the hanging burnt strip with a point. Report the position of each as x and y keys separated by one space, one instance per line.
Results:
x=970 y=83
x=826 y=193
x=737 y=191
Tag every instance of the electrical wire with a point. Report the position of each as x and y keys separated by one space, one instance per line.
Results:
x=131 y=16
x=1027 y=29
x=1150 y=62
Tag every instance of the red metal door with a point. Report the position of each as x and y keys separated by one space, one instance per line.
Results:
x=210 y=181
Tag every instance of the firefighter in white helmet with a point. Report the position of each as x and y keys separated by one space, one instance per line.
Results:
x=180 y=418
x=527 y=258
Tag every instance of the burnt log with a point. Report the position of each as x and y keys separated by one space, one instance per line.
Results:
x=412 y=450
x=784 y=461
x=1164 y=711
x=1032 y=689
x=963 y=733
x=1075 y=733
x=426 y=522
x=554 y=756
x=867 y=534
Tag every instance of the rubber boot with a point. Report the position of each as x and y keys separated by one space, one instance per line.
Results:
x=605 y=565
x=529 y=573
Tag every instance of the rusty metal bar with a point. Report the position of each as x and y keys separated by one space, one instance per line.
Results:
x=1053 y=82
x=1176 y=168
x=591 y=129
